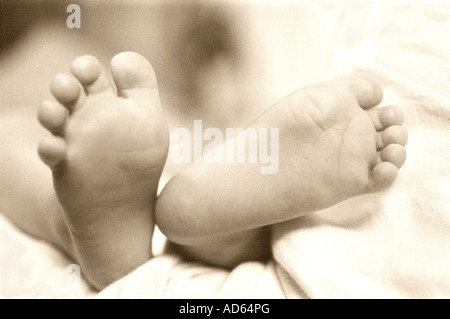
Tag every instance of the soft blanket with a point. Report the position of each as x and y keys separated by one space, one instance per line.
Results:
x=396 y=243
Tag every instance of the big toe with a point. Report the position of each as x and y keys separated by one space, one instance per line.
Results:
x=367 y=90
x=134 y=77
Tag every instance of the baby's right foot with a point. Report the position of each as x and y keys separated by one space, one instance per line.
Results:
x=106 y=155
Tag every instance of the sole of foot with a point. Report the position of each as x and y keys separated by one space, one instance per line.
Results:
x=108 y=147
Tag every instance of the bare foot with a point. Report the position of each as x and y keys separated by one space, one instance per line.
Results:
x=333 y=145
x=106 y=155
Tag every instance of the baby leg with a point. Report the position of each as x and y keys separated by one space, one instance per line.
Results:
x=333 y=144
x=106 y=155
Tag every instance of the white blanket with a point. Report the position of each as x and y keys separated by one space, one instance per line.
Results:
x=392 y=244
x=33 y=269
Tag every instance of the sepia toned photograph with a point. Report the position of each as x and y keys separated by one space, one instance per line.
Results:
x=225 y=149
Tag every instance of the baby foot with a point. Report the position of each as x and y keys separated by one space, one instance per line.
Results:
x=106 y=155
x=348 y=146
x=333 y=144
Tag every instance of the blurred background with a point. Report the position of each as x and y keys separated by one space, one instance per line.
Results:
x=224 y=54
x=222 y=62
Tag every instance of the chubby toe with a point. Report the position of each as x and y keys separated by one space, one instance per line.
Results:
x=88 y=70
x=395 y=134
x=386 y=116
x=52 y=151
x=395 y=154
x=52 y=116
x=134 y=76
x=391 y=115
x=383 y=175
x=65 y=89
x=367 y=91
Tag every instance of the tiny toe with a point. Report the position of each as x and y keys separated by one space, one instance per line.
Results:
x=88 y=70
x=134 y=76
x=52 y=151
x=386 y=116
x=383 y=175
x=391 y=115
x=367 y=91
x=52 y=116
x=394 y=134
x=66 y=89
x=395 y=154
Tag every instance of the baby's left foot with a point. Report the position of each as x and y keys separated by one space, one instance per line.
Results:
x=333 y=144
x=106 y=155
